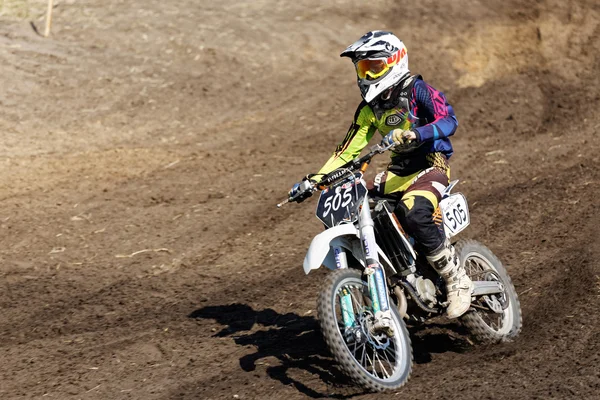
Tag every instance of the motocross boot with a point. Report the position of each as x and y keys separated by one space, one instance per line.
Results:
x=459 y=286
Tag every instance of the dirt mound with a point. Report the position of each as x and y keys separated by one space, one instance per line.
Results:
x=146 y=144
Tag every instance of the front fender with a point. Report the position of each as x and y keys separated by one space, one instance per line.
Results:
x=320 y=245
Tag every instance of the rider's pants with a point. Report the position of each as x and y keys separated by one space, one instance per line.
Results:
x=419 y=194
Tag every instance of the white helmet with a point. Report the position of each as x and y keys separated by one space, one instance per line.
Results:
x=381 y=62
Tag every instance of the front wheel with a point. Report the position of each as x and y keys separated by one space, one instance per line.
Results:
x=495 y=317
x=375 y=361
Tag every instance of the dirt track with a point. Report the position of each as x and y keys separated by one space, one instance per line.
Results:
x=146 y=143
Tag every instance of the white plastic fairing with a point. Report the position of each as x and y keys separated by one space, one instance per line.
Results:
x=383 y=259
x=449 y=188
x=318 y=252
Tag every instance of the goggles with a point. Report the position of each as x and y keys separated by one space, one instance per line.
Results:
x=371 y=69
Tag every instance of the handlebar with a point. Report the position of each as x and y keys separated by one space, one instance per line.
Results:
x=351 y=166
x=332 y=177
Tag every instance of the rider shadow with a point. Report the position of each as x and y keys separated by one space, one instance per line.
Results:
x=293 y=339
x=438 y=338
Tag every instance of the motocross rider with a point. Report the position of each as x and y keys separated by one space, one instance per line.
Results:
x=417 y=120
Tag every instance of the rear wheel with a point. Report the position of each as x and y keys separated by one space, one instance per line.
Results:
x=494 y=317
x=375 y=361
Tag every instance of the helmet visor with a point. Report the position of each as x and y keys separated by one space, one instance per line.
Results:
x=371 y=69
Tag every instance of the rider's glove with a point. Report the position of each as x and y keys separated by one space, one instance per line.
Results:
x=399 y=137
x=300 y=192
x=294 y=190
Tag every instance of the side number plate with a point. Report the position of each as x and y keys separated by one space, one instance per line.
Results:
x=455 y=212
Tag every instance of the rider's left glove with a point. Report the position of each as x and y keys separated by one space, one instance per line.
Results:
x=398 y=137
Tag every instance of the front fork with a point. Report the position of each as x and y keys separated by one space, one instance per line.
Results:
x=374 y=271
x=376 y=281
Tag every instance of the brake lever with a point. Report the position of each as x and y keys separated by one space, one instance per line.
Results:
x=283 y=203
x=381 y=148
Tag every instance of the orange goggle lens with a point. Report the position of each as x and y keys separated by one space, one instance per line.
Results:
x=371 y=69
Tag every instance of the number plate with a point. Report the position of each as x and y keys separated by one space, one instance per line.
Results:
x=455 y=212
x=340 y=203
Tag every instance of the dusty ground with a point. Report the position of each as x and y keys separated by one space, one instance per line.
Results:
x=146 y=143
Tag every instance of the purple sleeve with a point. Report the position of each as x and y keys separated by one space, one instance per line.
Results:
x=438 y=113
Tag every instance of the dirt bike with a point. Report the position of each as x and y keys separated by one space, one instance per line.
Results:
x=376 y=268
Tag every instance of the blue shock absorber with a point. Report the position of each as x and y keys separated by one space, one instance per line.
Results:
x=347 y=309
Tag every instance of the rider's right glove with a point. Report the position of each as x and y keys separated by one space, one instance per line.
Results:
x=299 y=191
